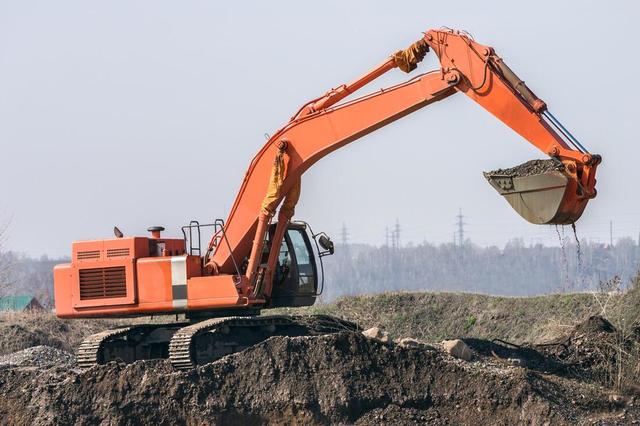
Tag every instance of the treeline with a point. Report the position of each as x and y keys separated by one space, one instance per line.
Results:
x=23 y=275
x=514 y=270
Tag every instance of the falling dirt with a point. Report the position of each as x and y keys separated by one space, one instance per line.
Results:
x=344 y=378
x=530 y=168
x=564 y=271
x=580 y=268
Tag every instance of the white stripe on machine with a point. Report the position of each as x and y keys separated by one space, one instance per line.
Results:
x=179 y=282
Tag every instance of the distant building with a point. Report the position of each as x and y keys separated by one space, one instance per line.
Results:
x=20 y=304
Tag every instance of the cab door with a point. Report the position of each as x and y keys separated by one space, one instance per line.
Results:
x=296 y=278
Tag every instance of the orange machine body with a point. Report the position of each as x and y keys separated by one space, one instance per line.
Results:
x=138 y=276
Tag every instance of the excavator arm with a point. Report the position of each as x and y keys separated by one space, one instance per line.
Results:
x=324 y=125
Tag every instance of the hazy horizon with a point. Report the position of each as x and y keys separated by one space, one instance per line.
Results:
x=143 y=113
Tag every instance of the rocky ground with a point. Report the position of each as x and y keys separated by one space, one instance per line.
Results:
x=345 y=378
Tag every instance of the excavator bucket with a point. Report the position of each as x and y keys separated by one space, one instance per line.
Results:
x=541 y=191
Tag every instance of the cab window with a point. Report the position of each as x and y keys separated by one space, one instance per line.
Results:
x=306 y=272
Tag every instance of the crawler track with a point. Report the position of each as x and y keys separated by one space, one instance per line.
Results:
x=205 y=341
x=89 y=353
x=126 y=344
x=181 y=350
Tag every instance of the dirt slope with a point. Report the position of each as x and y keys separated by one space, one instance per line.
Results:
x=347 y=378
x=343 y=378
x=335 y=379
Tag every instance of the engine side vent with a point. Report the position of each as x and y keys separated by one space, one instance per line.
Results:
x=119 y=252
x=99 y=283
x=92 y=254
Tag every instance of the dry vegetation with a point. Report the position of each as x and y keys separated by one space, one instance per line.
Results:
x=20 y=330
x=4 y=264
x=622 y=309
x=526 y=321
x=436 y=316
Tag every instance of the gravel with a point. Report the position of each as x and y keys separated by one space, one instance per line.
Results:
x=38 y=356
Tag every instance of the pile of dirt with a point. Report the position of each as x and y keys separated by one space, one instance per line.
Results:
x=530 y=168
x=593 y=352
x=343 y=378
x=339 y=378
x=595 y=324
x=590 y=351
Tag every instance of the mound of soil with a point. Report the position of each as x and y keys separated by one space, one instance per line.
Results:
x=339 y=378
x=590 y=351
x=593 y=325
x=593 y=352
x=343 y=378
x=530 y=168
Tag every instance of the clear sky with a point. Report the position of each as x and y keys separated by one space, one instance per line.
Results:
x=138 y=113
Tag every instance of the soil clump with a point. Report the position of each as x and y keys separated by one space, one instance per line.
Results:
x=530 y=168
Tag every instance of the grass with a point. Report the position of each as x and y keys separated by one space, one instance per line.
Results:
x=437 y=316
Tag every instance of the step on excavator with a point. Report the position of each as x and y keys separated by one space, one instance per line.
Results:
x=253 y=262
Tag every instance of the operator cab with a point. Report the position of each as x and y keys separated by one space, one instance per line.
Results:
x=296 y=281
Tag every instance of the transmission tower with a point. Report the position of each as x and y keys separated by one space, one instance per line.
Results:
x=344 y=235
x=396 y=234
x=460 y=225
x=611 y=233
x=386 y=236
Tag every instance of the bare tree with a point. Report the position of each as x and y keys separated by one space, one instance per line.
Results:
x=4 y=260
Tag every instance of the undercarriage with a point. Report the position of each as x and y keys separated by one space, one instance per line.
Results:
x=188 y=345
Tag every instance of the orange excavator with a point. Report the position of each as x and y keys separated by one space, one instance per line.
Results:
x=253 y=262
